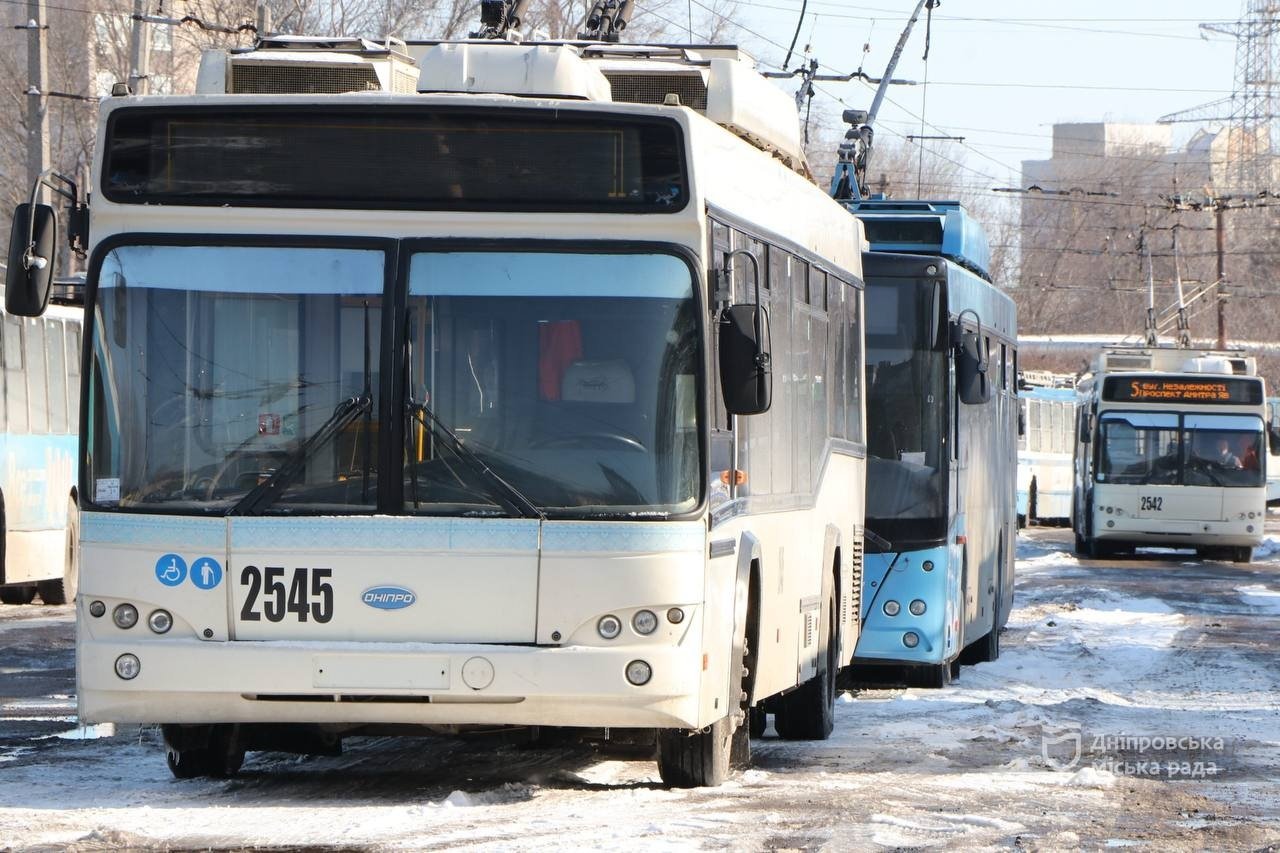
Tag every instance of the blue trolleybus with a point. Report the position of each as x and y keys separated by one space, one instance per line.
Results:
x=942 y=444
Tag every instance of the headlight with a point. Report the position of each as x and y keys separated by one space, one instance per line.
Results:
x=609 y=627
x=639 y=672
x=125 y=616
x=645 y=622
x=128 y=667
x=160 y=621
x=911 y=639
x=916 y=607
x=892 y=608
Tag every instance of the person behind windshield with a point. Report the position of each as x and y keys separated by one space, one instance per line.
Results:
x=1247 y=450
x=1225 y=457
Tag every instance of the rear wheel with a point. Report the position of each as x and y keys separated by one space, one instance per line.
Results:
x=809 y=712
x=64 y=589
x=18 y=594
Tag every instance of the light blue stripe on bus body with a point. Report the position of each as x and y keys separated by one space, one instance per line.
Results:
x=383 y=533
x=157 y=531
x=644 y=537
x=364 y=533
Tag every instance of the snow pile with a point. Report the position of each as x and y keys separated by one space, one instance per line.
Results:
x=1259 y=595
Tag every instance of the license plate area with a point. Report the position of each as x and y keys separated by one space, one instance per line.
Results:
x=380 y=672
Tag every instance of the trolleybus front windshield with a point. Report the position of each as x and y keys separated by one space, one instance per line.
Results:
x=221 y=371
x=573 y=376
x=1158 y=448
x=906 y=378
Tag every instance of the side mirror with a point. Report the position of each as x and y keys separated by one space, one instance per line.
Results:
x=1086 y=435
x=1022 y=422
x=972 y=382
x=746 y=368
x=29 y=277
x=1273 y=440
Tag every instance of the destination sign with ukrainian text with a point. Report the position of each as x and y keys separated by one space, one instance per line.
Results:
x=1182 y=389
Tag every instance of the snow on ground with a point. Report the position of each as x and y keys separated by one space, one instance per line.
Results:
x=1106 y=671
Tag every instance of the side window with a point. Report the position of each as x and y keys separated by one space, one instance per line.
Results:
x=37 y=376
x=15 y=377
x=836 y=371
x=777 y=265
x=73 y=376
x=853 y=367
x=56 y=350
x=818 y=289
x=1004 y=367
x=721 y=242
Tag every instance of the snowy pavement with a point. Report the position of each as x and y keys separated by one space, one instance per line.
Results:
x=1136 y=703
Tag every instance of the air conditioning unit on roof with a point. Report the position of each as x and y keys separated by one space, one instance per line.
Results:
x=309 y=66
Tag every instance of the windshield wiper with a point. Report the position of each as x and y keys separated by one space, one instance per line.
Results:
x=506 y=494
x=268 y=491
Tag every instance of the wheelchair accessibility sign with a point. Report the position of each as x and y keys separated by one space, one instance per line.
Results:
x=205 y=572
x=171 y=570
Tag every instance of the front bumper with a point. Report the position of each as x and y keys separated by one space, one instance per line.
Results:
x=191 y=681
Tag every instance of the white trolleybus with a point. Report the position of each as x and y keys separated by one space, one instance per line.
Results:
x=39 y=404
x=530 y=397
x=1171 y=451
x=942 y=435
x=1046 y=446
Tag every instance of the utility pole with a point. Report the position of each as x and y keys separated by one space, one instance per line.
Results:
x=139 y=49
x=37 y=103
x=1220 y=229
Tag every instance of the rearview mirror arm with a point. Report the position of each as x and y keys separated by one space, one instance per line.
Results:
x=75 y=237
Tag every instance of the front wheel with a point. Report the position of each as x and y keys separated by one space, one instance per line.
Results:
x=930 y=676
x=696 y=759
x=195 y=751
x=1242 y=554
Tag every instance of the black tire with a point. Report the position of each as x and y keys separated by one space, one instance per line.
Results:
x=809 y=711
x=1242 y=554
x=703 y=759
x=18 y=594
x=929 y=676
x=63 y=590
x=696 y=759
x=1082 y=546
x=189 y=755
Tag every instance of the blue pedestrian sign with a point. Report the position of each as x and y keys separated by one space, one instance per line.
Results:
x=206 y=573
x=171 y=570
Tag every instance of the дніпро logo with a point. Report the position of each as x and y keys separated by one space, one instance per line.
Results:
x=388 y=597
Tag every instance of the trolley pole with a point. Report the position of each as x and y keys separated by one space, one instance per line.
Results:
x=1220 y=229
x=37 y=104
x=139 y=50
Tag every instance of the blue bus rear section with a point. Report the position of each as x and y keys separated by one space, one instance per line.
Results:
x=39 y=414
x=941 y=473
x=38 y=470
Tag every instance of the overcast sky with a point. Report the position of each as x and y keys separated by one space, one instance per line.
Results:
x=1002 y=72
